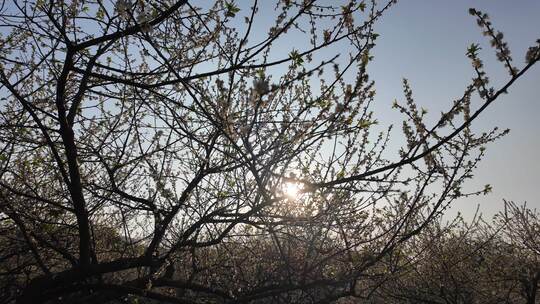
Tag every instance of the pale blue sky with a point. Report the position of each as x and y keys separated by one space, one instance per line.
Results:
x=426 y=40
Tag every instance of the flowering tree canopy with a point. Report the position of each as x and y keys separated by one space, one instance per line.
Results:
x=160 y=150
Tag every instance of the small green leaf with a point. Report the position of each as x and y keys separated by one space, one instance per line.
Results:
x=232 y=9
x=473 y=50
x=362 y=6
x=222 y=194
x=364 y=123
x=296 y=58
x=100 y=14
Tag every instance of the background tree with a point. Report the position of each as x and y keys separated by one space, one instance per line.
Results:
x=461 y=262
x=173 y=152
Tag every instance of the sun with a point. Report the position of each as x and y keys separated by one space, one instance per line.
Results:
x=291 y=190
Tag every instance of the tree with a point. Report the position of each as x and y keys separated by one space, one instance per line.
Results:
x=171 y=152
x=476 y=262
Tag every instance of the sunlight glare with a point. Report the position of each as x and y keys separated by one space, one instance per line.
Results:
x=292 y=190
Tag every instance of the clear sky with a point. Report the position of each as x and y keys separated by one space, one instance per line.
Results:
x=425 y=41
